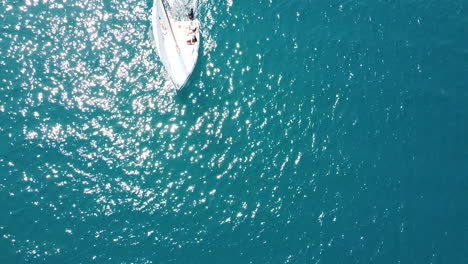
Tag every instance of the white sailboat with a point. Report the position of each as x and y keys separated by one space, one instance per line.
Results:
x=177 y=43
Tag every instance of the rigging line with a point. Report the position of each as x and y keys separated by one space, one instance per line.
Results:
x=170 y=26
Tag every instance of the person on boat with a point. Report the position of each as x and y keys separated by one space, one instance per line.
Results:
x=193 y=38
x=190 y=15
x=192 y=33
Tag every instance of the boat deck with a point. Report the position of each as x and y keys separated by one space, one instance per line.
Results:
x=188 y=50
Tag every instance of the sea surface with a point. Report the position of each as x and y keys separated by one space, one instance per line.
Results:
x=311 y=131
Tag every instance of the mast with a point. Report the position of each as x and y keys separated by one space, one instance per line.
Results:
x=170 y=26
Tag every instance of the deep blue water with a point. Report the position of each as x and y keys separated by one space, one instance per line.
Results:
x=311 y=131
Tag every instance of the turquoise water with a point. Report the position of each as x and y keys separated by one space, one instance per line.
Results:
x=310 y=132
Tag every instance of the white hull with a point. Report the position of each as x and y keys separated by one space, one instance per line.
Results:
x=177 y=55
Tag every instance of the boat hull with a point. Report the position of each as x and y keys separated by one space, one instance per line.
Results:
x=177 y=53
